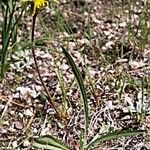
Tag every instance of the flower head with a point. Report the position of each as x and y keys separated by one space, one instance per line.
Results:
x=37 y=4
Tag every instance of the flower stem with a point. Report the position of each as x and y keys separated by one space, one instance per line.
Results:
x=37 y=69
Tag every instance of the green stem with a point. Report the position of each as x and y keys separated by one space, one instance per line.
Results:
x=37 y=69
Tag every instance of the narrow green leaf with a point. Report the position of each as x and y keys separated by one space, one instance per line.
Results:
x=49 y=142
x=49 y=147
x=62 y=87
x=81 y=146
x=28 y=44
x=114 y=135
x=81 y=85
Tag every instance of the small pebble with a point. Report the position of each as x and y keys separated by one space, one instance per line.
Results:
x=28 y=112
x=26 y=143
x=14 y=144
x=18 y=125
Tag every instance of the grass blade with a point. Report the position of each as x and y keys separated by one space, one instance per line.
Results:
x=114 y=135
x=49 y=142
x=81 y=85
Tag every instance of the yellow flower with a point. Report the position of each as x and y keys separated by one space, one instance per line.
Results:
x=37 y=4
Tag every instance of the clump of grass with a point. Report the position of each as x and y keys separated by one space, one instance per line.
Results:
x=138 y=24
x=9 y=33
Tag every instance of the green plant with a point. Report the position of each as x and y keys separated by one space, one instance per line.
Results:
x=36 y=7
x=78 y=76
x=138 y=28
x=51 y=143
x=9 y=33
x=64 y=25
x=64 y=104
x=138 y=102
